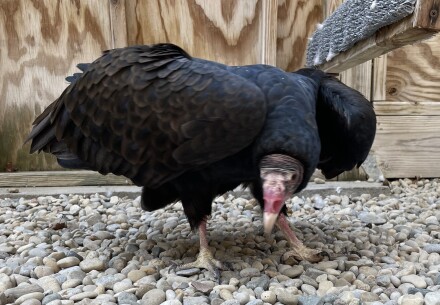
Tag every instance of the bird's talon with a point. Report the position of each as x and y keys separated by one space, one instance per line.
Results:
x=303 y=253
x=205 y=260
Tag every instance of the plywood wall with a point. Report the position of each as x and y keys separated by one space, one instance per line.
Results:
x=408 y=136
x=236 y=32
x=297 y=21
x=41 y=41
x=232 y=32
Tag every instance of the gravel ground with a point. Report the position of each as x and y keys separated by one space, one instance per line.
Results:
x=105 y=250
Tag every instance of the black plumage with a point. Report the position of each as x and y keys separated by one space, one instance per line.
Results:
x=190 y=129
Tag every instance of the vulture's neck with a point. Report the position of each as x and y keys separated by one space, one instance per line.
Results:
x=282 y=163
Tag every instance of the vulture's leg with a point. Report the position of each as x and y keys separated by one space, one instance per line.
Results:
x=205 y=259
x=299 y=251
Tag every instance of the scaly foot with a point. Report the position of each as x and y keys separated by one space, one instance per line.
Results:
x=301 y=253
x=205 y=260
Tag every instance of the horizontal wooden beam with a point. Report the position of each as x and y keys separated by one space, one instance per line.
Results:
x=79 y=178
x=408 y=146
x=60 y=178
x=395 y=108
x=422 y=24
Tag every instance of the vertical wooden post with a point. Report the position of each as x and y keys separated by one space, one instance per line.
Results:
x=379 y=78
x=118 y=23
x=268 y=32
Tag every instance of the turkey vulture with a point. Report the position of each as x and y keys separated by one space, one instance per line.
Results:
x=190 y=129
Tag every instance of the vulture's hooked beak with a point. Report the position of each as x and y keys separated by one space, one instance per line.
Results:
x=269 y=220
x=275 y=193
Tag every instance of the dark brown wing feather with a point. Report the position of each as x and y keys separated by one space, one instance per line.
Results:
x=346 y=122
x=151 y=113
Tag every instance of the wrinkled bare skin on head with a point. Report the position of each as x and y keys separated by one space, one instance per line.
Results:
x=281 y=176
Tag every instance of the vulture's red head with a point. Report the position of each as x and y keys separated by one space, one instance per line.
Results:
x=281 y=175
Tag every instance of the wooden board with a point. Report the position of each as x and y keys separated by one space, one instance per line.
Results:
x=41 y=42
x=421 y=25
x=408 y=146
x=296 y=23
x=232 y=32
x=330 y=6
x=359 y=78
x=408 y=109
x=396 y=108
x=59 y=178
x=378 y=90
x=71 y=178
x=118 y=23
x=413 y=73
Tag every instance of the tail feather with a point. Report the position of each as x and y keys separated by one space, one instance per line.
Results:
x=38 y=142
x=43 y=135
x=43 y=132
x=43 y=139
x=65 y=157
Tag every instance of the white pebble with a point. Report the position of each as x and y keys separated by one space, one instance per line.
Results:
x=67 y=262
x=88 y=265
x=416 y=280
x=269 y=297
x=432 y=298
x=410 y=299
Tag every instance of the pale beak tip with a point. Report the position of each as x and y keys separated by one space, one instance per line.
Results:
x=269 y=220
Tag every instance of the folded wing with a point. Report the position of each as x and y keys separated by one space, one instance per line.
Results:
x=346 y=123
x=150 y=113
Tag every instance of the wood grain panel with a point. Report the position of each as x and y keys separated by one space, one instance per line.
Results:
x=41 y=41
x=379 y=78
x=71 y=178
x=408 y=107
x=297 y=20
x=359 y=78
x=118 y=23
x=331 y=6
x=408 y=146
x=397 y=108
x=413 y=73
x=232 y=32
x=59 y=178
